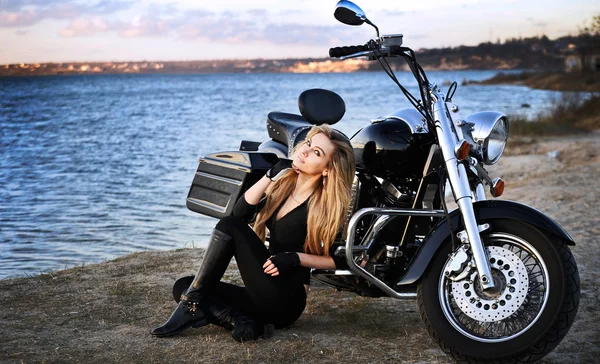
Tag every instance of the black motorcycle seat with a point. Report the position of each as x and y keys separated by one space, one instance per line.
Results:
x=286 y=128
x=319 y=106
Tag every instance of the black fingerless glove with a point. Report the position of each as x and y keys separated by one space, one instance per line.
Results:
x=279 y=169
x=285 y=262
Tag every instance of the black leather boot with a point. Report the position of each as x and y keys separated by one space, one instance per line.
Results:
x=214 y=264
x=192 y=309
x=245 y=328
x=222 y=314
x=187 y=314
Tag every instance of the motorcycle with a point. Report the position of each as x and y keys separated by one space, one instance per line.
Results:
x=495 y=280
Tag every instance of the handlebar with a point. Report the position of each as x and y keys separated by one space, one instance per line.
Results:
x=338 y=52
x=391 y=47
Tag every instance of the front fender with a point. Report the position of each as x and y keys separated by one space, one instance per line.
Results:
x=484 y=210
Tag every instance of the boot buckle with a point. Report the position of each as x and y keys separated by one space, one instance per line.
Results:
x=191 y=305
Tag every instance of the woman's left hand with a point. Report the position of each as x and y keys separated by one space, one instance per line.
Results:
x=281 y=263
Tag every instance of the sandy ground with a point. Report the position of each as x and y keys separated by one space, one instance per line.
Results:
x=103 y=313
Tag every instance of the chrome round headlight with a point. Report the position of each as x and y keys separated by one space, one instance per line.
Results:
x=490 y=132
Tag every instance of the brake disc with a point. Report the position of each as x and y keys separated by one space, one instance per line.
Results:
x=512 y=283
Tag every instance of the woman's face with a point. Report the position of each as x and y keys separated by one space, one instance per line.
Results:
x=314 y=155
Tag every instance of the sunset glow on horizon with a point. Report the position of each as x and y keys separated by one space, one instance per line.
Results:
x=36 y=31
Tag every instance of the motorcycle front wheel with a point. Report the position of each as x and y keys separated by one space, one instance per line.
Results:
x=523 y=318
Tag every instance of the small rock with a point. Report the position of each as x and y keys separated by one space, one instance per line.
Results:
x=554 y=154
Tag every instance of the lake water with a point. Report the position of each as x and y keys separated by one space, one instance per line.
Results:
x=95 y=167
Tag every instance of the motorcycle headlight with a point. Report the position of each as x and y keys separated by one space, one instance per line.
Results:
x=490 y=132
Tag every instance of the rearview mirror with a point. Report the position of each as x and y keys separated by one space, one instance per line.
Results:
x=349 y=13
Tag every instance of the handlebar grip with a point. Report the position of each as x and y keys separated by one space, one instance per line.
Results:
x=338 y=52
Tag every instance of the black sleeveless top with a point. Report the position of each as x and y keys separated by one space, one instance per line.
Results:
x=286 y=234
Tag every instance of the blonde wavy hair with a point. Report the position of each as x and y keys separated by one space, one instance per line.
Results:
x=327 y=205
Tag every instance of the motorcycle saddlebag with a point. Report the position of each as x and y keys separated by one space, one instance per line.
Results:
x=221 y=178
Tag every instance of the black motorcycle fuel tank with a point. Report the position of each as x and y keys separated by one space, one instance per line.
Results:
x=395 y=145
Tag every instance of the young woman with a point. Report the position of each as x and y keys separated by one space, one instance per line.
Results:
x=305 y=202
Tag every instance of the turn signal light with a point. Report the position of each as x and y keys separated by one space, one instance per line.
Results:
x=462 y=149
x=497 y=187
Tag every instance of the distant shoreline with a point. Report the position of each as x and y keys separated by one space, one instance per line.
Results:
x=212 y=67
x=536 y=53
x=558 y=81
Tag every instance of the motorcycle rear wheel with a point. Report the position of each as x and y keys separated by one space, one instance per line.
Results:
x=527 y=315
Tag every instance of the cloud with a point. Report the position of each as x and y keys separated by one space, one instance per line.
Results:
x=200 y=25
x=302 y=34
x=15 y=5
x=198 y=13
x=18 y=19
x=17 y=13
x=389 y=13
x=145 y=26
x=257 y=12
x=224 y=29
x=85 y=26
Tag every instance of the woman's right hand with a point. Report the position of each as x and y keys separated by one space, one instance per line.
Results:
x=281 y=263
x=279 y=169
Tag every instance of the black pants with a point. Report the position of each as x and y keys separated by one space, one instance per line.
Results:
x=276 y=300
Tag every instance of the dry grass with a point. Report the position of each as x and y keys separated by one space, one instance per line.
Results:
x=570 y=114
x=103 y=313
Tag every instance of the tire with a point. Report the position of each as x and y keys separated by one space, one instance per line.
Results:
x=525 y=319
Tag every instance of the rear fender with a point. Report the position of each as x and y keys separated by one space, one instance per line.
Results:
x=484 y=210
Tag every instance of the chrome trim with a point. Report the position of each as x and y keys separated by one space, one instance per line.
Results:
x=350 y=243
x=392 y=251
x=340 y=251
x=483 y=123
x=457 y=174
x=219 y=178
x=389 y=40
x=331 y=272
x=454 y=115
x=377 y=226
x=390 y=189
x=359 y=54
x=340 y=272
x=207 y=204
x=354 y=196
x=228 y=164
x=480 y=193
x=271 y=146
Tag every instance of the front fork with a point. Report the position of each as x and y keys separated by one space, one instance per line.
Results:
x=457 y=174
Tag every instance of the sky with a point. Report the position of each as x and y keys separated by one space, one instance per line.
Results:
x=36 y=31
